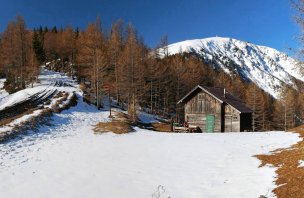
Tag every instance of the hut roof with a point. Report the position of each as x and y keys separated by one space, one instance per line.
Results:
x=221 y=95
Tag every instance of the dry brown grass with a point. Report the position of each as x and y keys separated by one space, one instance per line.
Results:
x=31 y=124
x=82 y=86
x=9 y=120
x=42 y=118
x=161 y=127
x=62 y=97
x=290 y=177
x=48 y=102
x=59 y=94
x=119 y=125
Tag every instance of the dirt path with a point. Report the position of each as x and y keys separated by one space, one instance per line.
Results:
x=290 y=174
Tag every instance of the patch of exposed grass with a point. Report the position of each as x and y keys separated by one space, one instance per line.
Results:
x=59 y=94
x=120 y=124
x=31 y=124
x=48 y=102
x=9 y=120
x=35 y=121
x=117 y=127
x=290 y=176
x=60 y=104
x=161 y=127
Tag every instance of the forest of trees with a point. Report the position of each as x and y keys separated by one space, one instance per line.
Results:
x=137 y=76
x=17 y=57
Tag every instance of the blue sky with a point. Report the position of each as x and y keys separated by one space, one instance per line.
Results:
x=264 y=22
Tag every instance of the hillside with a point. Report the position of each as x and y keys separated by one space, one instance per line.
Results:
x=56 y=158
x=266 y=67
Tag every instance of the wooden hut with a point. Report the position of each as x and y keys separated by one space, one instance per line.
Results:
x=213 y=109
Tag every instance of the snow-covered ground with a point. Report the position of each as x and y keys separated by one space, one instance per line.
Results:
x=147 y=118
x=3 y=93
x=19 y=121
x=66 y=159
x=301 y=163
x=48 y=81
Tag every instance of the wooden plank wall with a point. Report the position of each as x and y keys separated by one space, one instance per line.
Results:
x=202 y=104
x=232 y=120
x=198 y=107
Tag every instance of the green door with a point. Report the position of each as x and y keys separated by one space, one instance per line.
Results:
x=210 y=123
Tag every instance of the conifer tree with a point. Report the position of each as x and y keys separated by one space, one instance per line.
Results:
x=37 y=42
x=93 y=53
x=284 y=109
x=255 y=100
x=115 y=49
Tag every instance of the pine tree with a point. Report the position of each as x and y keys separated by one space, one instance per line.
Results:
x=54 y=30
x=133 y=63
x=115 y=49
x=21 y=49
x=32 y=63
x=37 y=43
x=255 y=100
x=51 y=45
x=284 y=110
x=94 y=54
x=16 y=47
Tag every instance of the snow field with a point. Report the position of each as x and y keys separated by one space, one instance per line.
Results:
x=66 y=159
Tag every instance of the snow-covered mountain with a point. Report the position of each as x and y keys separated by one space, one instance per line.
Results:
x=266 y=67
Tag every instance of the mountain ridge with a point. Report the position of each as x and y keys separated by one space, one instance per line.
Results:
x=268 y=68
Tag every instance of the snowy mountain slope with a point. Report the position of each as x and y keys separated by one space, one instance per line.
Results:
x=266 y=67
